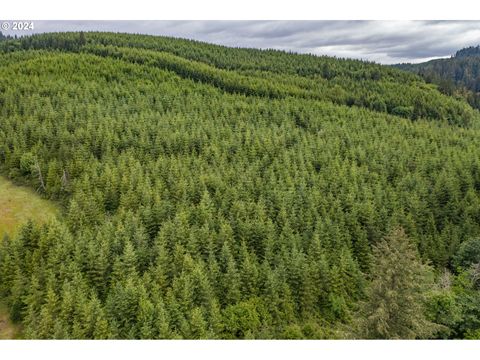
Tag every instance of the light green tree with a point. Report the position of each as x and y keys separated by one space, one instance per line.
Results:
x=396 y=297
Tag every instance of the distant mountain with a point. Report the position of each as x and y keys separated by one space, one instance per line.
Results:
x=468 y=52
x=458 y=75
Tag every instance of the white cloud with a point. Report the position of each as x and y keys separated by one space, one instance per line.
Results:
x=380 y=41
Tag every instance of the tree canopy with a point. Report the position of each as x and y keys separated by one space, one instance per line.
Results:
x=210 y=192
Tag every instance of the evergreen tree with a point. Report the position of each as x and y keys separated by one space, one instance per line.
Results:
x=396 y=296
x=232 y=193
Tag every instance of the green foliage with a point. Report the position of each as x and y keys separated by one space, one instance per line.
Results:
x=404 y=111
x=468 y=253
x=458 y=75
x=228 y=193
x=444 y=308
x=273 y=74
x=397 y=295
x=27 y=162
x=243 y=319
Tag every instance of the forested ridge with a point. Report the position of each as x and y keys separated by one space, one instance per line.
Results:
x=212 y=192
x=458 y=75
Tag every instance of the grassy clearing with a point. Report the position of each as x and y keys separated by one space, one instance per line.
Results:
x=18 y=204
x=8 y=330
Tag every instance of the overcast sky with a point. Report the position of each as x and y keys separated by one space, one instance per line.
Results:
x=380 y=41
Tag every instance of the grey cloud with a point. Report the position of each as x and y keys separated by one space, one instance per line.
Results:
x=379 y=41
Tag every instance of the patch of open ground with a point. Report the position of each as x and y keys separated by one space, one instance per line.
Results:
x=8 y=330
x=18 y=204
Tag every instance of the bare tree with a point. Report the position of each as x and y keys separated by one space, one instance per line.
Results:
x=64 y=179
x=38 y=170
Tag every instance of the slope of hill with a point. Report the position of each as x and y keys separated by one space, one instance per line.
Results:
x=267 y=73
x=458 y=75
x=226 y=193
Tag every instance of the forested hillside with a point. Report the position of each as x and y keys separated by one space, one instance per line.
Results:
x=458 y=75
x=212 y=192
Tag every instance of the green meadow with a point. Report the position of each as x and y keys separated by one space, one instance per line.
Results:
x=18 y=204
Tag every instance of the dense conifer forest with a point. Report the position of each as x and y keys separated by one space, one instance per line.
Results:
x=458 y=75
x=231 y=193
